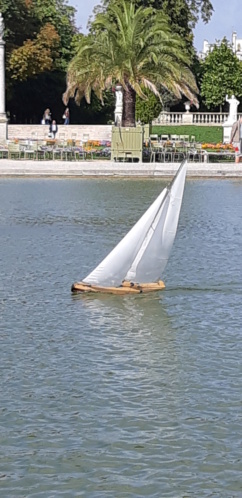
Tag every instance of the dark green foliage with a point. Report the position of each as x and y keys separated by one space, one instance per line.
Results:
x=30 y=98
x=147 y=110
x=23 y=21
x=97 y=112
x=178 y=13
x=189 y=9
x=183 y=14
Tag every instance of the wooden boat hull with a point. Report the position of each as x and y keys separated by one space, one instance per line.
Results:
x=125 y=288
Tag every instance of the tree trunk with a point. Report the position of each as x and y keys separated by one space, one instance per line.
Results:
x=129 y=99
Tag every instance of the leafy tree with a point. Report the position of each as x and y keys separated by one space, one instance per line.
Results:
x=195 y=8
x=35 y=56
x=36 y=30
x=19 y=22
x=147 y=110
x=133 y=47
x=40 y=36
x=221 y=75
x=182 y=14
x=61 y=16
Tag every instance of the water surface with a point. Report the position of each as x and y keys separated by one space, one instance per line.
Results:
x=109 y=396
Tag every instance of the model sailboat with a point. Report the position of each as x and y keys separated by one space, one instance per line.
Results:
x=136 y=264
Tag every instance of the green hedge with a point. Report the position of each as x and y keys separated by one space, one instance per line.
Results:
x=204 y=134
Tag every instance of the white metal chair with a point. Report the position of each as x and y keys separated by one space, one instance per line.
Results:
x=31 y=150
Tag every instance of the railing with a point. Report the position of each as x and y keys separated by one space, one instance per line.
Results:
x=211 y=118
x=191 y=118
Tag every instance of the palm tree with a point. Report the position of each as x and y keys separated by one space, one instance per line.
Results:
x=135 y=48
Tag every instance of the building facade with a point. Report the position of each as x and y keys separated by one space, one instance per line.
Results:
x=236 y=45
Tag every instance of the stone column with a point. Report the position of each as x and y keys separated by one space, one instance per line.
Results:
x=3 y=117
x=187 y=118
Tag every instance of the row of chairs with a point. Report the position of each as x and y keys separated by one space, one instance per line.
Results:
x=60 y=136
x=173 y=138
x=59 y=150
x=175 y=152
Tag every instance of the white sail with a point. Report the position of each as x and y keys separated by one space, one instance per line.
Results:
x=142 y=254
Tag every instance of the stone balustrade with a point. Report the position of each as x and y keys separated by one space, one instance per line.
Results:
x=191 y=118
x=104 y=132
x=209 y=118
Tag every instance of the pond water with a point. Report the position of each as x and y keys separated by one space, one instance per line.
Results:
x=109 y=396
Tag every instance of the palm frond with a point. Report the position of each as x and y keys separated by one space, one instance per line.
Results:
x=134 y=47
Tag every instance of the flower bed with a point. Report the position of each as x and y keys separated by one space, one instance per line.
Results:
x=218 y=147
x=98 y=143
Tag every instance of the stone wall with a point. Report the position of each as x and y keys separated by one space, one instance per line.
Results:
x=79 y=132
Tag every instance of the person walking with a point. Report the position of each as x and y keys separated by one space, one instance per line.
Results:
x=236 y=135
x=53 y=129
x=66 y=116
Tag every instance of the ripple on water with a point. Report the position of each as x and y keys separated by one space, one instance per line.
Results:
x=118 y=397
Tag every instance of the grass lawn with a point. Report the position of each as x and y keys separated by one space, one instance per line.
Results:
x=204 y=134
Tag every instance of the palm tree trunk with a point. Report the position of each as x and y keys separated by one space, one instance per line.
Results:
x=129 y=99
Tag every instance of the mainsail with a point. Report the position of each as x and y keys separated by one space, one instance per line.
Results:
x=142 y=254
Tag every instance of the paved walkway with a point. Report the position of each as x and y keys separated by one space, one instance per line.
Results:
x=100 y=168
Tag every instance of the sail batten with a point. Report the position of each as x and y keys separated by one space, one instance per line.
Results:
x=142 y=254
